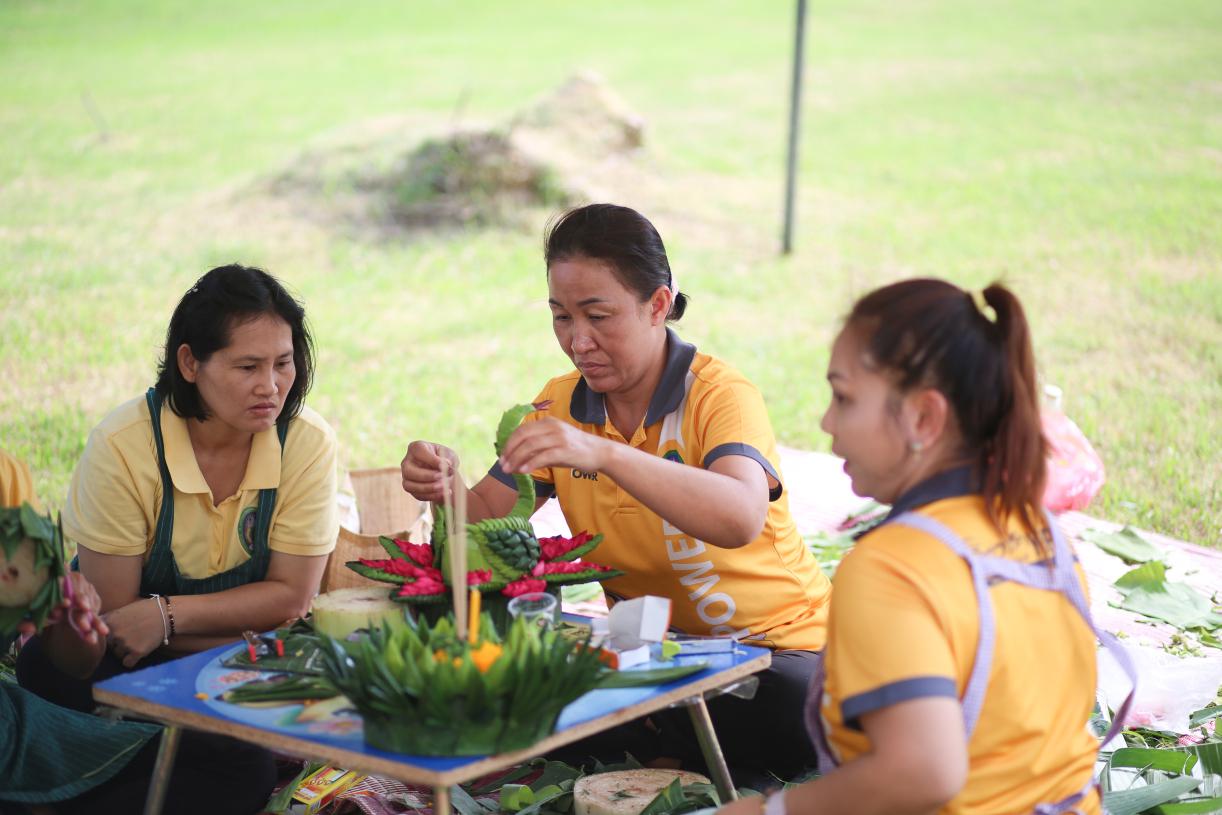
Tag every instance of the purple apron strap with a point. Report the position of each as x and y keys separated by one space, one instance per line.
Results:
x=978 y=681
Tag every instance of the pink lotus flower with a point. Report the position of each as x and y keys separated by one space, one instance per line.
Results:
x=402 y=568
x=567 y=567
x=554 y=547
x=423 y=587
x=410 y=565
x=523 y=585
x=421 y=553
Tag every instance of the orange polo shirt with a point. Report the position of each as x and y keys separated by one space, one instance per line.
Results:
x=904 y=625
x=771 y=591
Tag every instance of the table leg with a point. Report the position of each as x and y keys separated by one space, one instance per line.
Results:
x=160 y=781
x=711 y=748
x=441 y=801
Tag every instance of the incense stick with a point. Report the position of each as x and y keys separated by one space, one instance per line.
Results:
x=458 y=554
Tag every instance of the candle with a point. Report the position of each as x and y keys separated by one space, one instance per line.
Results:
x=473 y=619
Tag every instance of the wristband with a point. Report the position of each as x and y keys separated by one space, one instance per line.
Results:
x=169 y=613
x=165 y=626
x=775 y=804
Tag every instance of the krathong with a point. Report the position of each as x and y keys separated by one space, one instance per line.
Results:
x=422 y=689
x=504 y=558
x=32 y=568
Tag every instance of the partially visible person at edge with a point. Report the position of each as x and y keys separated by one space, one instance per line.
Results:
x=205 y=507
x=669 y=454
x=934 y=410
x=39 y=759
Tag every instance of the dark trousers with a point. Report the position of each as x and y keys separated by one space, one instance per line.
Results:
x=763 y=738
x=211 y=774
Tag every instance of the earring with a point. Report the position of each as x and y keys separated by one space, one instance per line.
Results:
x=915 y=447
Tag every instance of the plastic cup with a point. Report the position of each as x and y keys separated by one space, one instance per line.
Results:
x=537 y=607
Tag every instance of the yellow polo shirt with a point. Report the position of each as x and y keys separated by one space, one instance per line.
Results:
x=15 y=484
x=904 y=625
x=770 y=591
x=115 y=495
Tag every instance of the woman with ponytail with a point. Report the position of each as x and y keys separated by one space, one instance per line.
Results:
x=959 y=673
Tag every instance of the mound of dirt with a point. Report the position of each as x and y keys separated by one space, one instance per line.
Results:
x=474 y=178
x=583 y=116
x=545 y=156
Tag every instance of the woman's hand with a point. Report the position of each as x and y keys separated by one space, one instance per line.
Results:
x=136 y=630
x=425 y=468
x=81 y=609
x=75 y=634
x=553 y=443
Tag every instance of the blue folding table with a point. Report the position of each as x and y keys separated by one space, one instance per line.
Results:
x=183 y=693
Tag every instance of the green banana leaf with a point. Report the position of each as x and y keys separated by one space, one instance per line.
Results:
x=1199 y=806
x=1136 y=801
x=1126 y=544
x=1152 y=758
x=1147 y=592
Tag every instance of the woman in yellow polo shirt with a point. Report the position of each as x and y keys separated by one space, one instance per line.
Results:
x=207 y=506
x=960 y=664
x=668 y=453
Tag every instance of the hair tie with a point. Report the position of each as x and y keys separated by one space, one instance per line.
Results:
x=988 y=312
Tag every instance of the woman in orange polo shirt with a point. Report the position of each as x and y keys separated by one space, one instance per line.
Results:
x=960 y=664
x=669 y=454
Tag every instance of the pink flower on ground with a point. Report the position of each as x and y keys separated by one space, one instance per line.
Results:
x=523 y=585
x=420 y=553
x=1187 y=740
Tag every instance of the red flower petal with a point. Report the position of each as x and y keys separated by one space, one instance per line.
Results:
x=523 y=585
x=552 y=548
x=422 y=588
x=477 y=577
x=420 y=553
x=565 y=567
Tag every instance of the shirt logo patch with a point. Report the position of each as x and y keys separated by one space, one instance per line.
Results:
x=246 y=530
x=673 y=455
x=583 y=474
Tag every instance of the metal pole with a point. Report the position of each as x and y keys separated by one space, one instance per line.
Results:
x=795 y=121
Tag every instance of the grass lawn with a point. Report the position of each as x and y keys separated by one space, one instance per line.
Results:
x=1073 y=148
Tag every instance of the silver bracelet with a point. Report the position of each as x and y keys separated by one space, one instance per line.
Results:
x=165 y=625
x=775 y=804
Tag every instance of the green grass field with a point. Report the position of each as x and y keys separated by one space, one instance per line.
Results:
x=1072 y=148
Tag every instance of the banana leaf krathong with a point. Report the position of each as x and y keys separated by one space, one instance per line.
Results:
x=504 y=558
x=422 y=690
x=33 y=564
